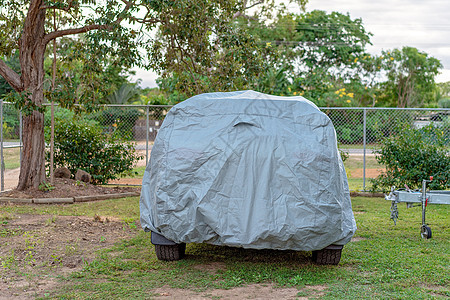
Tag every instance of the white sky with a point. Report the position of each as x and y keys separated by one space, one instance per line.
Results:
x=393 y=23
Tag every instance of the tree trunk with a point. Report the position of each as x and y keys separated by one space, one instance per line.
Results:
x=32 y=172
x=32 y=49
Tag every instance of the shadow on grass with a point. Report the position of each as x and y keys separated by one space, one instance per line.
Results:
x=224 y=253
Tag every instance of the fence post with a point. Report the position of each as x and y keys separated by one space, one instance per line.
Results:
x=146 y=134
x=364 y=147
x=2 y=187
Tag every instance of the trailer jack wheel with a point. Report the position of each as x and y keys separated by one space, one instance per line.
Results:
x=425 y=232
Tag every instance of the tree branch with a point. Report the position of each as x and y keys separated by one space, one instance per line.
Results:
x=59 y=33
x=245 y=7
x=10 y=76
x=145 y=20
x=253 y=5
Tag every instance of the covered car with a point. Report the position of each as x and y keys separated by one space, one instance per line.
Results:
x=246 y=169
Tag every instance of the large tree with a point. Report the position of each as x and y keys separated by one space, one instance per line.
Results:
x=204 y=53
x=197 y=41
x=314 y=54
x=27 y=27
x=202 y=50
x=410 y=75
x=331 y=47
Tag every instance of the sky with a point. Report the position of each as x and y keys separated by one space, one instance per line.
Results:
x=424 y=25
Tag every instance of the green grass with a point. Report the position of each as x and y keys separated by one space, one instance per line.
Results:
x=356 y=162
x=357 y=184
x=11 y=157
x=358 y=146
x=386 y=261
x=140 y=171
x=353 y=167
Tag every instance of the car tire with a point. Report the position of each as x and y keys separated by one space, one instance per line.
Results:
x=327 y=256
x=170 y=252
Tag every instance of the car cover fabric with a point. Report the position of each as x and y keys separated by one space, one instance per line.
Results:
x=250 y=170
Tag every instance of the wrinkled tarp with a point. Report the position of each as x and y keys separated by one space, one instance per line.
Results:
x=250 y=170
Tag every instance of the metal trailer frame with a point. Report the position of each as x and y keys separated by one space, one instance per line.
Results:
x=423 y=197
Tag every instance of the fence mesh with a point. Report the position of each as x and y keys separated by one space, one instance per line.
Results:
x=377 y=124
x=359 y=131
x=11 y=122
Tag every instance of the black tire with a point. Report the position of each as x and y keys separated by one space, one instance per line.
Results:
x=327 y=256
x=170 y=252
x=425 y=232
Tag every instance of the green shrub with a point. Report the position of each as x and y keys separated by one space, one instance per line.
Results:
x=444 y=103
x=10 y=122
x=412 y=156
x=8 y=132
x=80 y=145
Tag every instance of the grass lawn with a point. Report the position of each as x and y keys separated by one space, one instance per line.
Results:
x=11 y=157
x=382 y=262
x=358 y=146
x=357 y=184
x=354 y=168
x=356 y=162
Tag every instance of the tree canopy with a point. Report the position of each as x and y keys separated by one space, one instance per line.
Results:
x=199 y=45
x=195 y=42
x=410 y=74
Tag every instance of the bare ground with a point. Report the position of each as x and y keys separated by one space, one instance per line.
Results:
x=370 y=173
x=36 y=249
x=252 y=291
x=11 y=178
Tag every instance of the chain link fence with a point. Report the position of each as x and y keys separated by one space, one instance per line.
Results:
x=356 y=126
x=10 y=154
x=359 y=132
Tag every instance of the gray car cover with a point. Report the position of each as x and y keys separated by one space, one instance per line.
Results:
x=250 y=170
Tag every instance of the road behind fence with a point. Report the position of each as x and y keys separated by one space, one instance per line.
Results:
x=359 y=132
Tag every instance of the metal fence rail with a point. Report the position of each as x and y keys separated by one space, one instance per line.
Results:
x=359 y=130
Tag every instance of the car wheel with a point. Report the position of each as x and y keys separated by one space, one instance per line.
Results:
x=327 y=256
x=170 y=252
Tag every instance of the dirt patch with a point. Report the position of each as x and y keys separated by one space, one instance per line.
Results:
x=253 y=291
x=370 y=173
x=128 y=181
x=67 y=188
x=11 y=178
x=315 y=290
x=36 y=249
x=211 y=268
